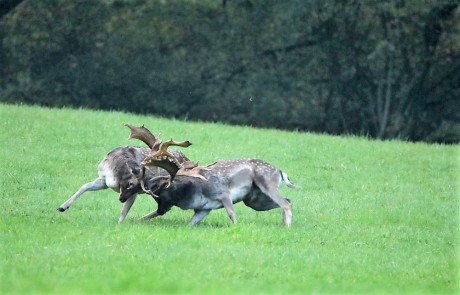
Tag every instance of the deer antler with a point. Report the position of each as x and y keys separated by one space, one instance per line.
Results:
x=144 y=135
x=164 y=159
x=191 y=169
x=164 y=147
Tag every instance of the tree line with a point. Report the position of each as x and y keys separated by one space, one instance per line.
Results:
x=385 y=69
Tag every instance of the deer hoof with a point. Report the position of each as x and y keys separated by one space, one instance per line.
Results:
x=60 y=209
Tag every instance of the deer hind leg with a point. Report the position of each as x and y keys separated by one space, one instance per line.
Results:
x=272 y=192
x=126 y=207
x=287 y=214
x=285 y=205
x=95 y=185
x=198 y=216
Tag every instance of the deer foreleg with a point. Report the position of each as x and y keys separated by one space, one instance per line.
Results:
x=198 y=216
x=160 y=211
x=126 y=207
x=152 y=214
x=95 y=185
x=228 y=205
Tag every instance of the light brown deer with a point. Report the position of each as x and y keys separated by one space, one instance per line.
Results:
x=121 y=170
x=217 y=185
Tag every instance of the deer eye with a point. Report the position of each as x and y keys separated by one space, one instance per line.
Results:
x=130 y=185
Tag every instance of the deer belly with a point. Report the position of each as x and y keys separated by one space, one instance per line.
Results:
x=213 y=201
x=237 y=194
x=199 y=202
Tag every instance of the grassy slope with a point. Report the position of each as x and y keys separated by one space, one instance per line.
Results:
x=370 y=216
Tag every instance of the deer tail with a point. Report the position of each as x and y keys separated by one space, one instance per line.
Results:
x=286 y=180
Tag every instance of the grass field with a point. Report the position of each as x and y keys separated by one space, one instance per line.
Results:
x=370 y=216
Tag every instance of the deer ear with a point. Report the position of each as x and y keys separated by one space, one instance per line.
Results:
x=138 y=172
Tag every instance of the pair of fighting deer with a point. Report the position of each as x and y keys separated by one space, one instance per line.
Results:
x=173 y=180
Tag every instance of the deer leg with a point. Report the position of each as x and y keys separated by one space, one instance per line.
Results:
x=126 y=207
x=287 y=214
x=228 y=205
x=95 y=185
x=152 y=214
x=198 y=216
x=160 y=211
x=285 y=205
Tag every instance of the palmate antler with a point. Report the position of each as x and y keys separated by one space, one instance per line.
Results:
x=164 y=159
x=191 y=169
x=144 y=135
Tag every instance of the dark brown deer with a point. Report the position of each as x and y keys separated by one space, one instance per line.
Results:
x=217 y=185
x=121 y=170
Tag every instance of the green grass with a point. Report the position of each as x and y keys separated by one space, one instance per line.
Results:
x=370 y=216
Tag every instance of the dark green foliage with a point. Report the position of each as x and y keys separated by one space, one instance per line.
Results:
x=387 y=69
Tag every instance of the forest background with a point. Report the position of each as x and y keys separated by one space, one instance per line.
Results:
x=384 y=69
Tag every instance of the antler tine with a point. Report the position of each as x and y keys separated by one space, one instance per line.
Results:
x=166 y=144
x=164 y=159
x=191 y=169
x=144 y=135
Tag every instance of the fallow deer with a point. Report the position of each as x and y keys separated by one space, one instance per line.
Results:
x=121 y=170
x=217 y=185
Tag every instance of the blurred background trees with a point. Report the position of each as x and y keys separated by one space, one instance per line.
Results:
x=385 y=69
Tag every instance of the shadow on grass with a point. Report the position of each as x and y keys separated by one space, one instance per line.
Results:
x=181 y=223
x=174 y=222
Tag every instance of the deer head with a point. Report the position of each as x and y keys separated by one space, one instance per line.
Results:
x=130 y=184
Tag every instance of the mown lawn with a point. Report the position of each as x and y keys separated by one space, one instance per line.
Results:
x=370 y=216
